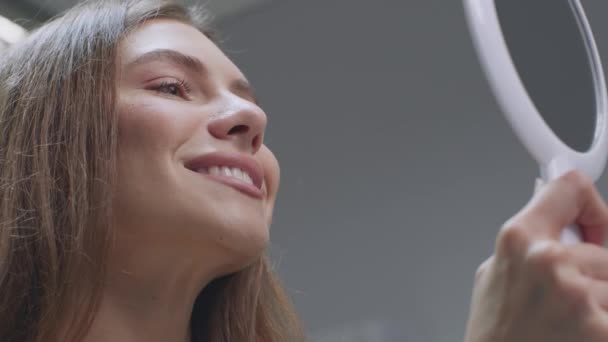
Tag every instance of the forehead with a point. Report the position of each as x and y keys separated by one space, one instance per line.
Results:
x=167 y=34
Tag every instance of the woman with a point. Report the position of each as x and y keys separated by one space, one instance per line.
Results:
x=136 y=195
x=110 y=234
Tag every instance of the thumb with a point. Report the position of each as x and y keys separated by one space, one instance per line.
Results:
x=571 y=198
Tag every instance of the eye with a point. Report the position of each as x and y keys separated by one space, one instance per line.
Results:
x=174 y=88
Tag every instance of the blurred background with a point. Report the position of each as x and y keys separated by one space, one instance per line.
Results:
x=398 y=168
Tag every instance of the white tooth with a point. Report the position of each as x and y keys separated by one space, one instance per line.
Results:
x=237 y=173
x=243 y=176
x=248 y=179
x=214 y=170
x=226 y=171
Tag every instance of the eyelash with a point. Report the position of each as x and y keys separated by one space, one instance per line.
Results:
x=182 y=86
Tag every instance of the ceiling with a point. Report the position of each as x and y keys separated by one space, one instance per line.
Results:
x=30 y=12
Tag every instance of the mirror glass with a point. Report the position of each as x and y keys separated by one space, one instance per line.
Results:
x=549 y=51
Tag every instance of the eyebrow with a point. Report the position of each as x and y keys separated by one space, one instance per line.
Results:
x=172 y=56
x=240 y=86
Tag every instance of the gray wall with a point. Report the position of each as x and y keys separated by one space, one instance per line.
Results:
x=398 y=168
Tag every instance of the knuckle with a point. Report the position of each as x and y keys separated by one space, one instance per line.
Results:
x=512 y=238
x=481 y=270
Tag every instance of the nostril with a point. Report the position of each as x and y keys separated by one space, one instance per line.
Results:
x=240 y=129
x=257 y=141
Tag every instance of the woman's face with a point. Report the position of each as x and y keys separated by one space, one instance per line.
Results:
x=193 y=171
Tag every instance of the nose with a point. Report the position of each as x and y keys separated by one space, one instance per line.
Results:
x=241 y=122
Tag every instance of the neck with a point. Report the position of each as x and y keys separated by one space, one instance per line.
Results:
x=150 y=300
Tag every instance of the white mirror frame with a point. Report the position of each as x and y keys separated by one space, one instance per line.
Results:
x=553 y=156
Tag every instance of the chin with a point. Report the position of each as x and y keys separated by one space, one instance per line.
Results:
x=243 y=244
x=252 y=244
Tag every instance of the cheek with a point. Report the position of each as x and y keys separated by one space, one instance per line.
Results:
x=272 y=171
x=148 y=136
x=272 y=174
x=148 y=127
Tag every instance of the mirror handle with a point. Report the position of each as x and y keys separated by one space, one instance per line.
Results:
x=571 y=235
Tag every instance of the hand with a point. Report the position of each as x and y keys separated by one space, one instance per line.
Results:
x=536 y=289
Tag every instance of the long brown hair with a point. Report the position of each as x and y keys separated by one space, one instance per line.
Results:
x=58 y=145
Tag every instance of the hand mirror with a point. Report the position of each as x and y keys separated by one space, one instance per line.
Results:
x=544 y=69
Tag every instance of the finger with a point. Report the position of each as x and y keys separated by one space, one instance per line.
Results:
x=570 y=198
x=593 y=219
x=599 y=293
x=592 y=235
x=595 y=327
x=591 y=260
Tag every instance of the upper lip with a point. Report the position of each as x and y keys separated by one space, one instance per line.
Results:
x=243 y=162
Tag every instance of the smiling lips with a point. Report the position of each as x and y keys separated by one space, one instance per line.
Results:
x=240 y=172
